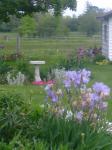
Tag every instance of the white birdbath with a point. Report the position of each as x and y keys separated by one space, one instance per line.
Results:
x=37 y=71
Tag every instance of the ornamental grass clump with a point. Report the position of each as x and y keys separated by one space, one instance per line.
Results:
x=76 y=111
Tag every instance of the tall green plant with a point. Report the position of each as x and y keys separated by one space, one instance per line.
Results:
x=13 y=114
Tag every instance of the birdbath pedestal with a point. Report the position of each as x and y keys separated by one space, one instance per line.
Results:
x=37 y=71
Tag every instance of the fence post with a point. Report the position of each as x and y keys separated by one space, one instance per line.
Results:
x=18 y=44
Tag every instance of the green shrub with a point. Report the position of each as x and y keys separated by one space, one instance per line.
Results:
x=5 y=146
x=24 y=67
x=13 y=114
x=4 y=68
x=3 y=78
x=98 y=58
x=22 y=143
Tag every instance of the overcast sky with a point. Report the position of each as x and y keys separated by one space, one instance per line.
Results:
x=81 y=5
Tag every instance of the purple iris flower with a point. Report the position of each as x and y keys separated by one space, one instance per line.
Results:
x=78 y=77
x=51 y=94
x=94 y=100
x=79 y=115
x=67 y=83
x=100 y=87
x=69 y=75
x=54 y=97
x=95 y=97
x=85 y=74
x=103 y=105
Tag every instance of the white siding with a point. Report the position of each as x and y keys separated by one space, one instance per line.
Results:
x=110 y=38
x=105 y=42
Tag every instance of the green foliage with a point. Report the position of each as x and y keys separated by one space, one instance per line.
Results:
x=40 y=145
x=68 y=64
x=4 y=27
x=48 y=25
x=74 y=136
x=24 y=67
x=98 y=58
x=62 y=29
x=91 y=8
x=59 y=6
x=4 y=146
x=12 y=25
x=88 y=22
x=21 y=65
x=21 y=8
x=71 y=23
x=13 y=112
x=27 y=26
x=4 y=68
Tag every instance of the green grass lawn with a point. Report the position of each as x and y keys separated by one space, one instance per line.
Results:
x=37 y=47
x=52 y=50
x=31 y=93
x=100 y=73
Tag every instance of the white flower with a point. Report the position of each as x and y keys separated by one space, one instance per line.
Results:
x=69 y=115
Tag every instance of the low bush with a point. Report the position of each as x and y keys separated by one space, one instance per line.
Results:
x=98 y=58
x=24 y=67
x=4 y=68
x=13 y=114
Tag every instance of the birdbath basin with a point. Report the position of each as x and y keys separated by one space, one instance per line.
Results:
x=37 y=71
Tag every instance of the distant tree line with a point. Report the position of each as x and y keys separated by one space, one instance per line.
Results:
x=46 y=24
x=42 y=25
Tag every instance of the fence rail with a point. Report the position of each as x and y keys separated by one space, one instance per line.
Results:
x=29 y=45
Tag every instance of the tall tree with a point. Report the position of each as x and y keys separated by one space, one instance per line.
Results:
x=46 y=25
x=23 y=7
x=49 y=25
x=71 y=23
x=27 y=26
x=89 y=24
x=88 y=21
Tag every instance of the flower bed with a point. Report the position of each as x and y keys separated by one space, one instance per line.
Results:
x=73 y=116
x=75 y=111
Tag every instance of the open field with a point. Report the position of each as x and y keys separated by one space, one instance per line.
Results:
x=37 y=47
x=54 y=51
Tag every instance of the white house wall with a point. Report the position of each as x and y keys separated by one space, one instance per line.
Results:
x=110 y=38
x=105 y=43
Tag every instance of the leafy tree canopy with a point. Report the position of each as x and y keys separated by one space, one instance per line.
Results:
x=88 y=21
x=23 y=7
x=27 y=26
